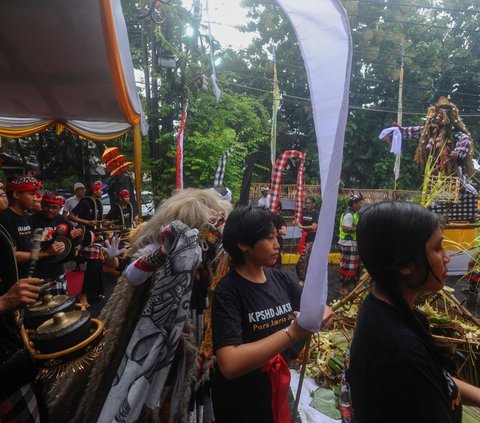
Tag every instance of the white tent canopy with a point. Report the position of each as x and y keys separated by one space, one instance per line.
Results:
x=68 y=63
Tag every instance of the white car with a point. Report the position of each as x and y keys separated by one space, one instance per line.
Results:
x=148 y=206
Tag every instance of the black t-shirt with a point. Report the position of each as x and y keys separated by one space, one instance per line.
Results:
x=16 y=367
x=116 y=212
x=392 y=376
x=242 y=312
x=20 y=229
x=308 y=219
x=89 y=208
x=10 y=340
x=47 y=270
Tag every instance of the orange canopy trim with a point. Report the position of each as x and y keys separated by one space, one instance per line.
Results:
x=114 y=61
x=25 y=131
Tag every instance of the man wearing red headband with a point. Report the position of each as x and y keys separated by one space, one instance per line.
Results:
x=89 y=212
x=121 y=213
x=21 y=192
x=53 y=224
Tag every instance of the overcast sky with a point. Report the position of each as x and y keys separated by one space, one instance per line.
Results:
x=226 y=14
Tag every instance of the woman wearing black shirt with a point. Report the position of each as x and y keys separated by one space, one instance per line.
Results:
x=398 y=372
x=252 y=312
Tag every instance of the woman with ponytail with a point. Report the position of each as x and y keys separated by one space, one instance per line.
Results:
x=398 y=372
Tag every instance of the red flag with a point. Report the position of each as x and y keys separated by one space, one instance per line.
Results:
x=180 y=148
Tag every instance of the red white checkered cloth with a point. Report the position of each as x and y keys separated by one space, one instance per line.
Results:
x=20 y=407
x=349 y=262
x=277 y=173
x=93 y=252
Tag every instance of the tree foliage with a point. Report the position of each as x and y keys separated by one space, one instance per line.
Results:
x=441 y=40
x=442 y=49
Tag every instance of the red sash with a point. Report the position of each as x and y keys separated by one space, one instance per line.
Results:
x=279 y=375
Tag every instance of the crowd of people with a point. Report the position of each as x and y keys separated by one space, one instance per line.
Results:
x=396 y=372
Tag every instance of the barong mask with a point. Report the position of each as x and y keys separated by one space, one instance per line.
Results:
x=178 y=242
x=211 y=233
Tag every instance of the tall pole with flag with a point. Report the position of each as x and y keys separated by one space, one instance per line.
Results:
x=398 y=156
x=275 y=107
x=181 y=130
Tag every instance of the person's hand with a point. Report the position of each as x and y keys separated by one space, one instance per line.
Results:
x=296 y=331
x=91 y=223
x=75 y=233
x=112 y=248
x=295 y=222
x=23 y=292
x=55 y=248
x=328 y=316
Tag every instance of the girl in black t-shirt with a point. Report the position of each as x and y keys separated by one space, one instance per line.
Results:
x=253 y=324
x=398 y=372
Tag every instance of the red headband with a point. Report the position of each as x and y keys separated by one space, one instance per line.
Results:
x=53 y=198
x=96 y=185
x=23 y=184
x=124 y=193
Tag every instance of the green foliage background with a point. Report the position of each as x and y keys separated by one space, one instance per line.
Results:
x=441 y=40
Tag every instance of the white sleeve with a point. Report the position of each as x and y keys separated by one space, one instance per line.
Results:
x=67 y=207
x=347 y=220
x=135 y=275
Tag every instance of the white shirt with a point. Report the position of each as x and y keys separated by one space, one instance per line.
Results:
x=264 y=201
x=347 y=222
x=71 y=203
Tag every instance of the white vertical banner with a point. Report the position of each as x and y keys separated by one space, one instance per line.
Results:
x=325 y=42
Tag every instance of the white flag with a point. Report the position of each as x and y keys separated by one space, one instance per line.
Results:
x=324 y=38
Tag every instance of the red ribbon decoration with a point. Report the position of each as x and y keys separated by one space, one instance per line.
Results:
x=277 y=173
x=279 y=375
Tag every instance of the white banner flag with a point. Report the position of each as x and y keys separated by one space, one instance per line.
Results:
x=324 y=38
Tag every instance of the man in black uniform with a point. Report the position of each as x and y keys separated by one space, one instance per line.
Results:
x=18 y=399
x=89 y=212
x=21 y=193
x=121 y=213
x=50 y=220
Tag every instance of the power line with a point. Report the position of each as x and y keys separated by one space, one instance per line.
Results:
x=464 y=103
x=383 y=20
x=417 y=6
x=382 y=53
x=371 y=109
x=416 y=86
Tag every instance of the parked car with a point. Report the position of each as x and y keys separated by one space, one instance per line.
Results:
x=148 y=206
x=65 y=192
